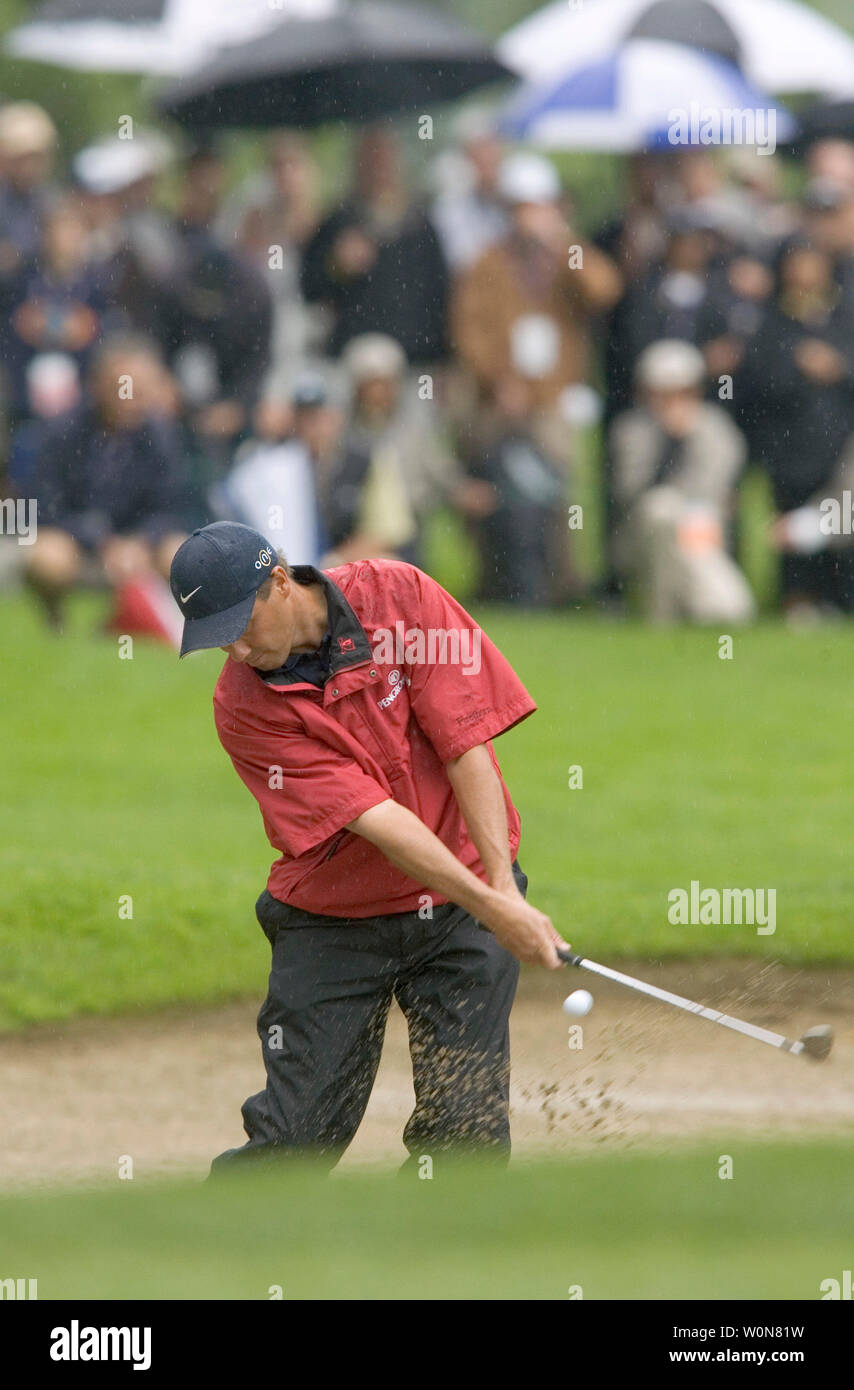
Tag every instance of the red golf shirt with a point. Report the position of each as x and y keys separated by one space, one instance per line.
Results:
x=413 y=682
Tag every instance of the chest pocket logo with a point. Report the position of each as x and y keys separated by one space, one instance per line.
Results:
x=398 y=683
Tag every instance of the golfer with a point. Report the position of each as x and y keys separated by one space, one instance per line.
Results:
x=358 y=706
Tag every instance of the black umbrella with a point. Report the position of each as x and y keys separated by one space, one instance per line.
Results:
x=363 y=61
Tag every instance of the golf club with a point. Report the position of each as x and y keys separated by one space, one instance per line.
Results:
x=815 y=1043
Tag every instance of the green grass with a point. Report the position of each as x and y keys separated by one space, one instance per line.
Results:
x=116 y=785
x=725 y=771
x=731 y=772
x=619 y=1226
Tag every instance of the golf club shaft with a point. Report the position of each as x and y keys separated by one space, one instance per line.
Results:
x=664 y=996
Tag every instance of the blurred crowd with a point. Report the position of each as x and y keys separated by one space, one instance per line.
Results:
x=335 y=373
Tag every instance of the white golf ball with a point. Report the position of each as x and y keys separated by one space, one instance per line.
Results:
x=579 y=1003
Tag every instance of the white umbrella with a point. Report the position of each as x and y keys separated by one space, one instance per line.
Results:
x=166 y=37
x=783 y=46
x=644 y=94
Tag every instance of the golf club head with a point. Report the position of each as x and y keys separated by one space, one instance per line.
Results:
x=817 y=1042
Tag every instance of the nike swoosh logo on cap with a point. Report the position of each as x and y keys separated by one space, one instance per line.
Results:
x=185 y=598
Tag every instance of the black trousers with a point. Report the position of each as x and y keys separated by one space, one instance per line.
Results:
x=323 y=1022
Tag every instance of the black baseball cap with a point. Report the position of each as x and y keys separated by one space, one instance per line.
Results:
x=215 y=577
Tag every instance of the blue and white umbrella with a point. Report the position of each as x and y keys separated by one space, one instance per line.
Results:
x=781 y=45
x=646 y=93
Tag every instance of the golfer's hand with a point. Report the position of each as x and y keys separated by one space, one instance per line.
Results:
x=525 y=932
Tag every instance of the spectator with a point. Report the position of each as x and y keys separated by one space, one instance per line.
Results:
x=395 y=467
x=524 y=313
x=27 y=145
x=371 y=508
x=276 y=484
x=525 y=307
x=471 y=215
x=636 y=239
x=271 y=222
x=797 y=386
x=677 y=460
x=280 y=202
x=797 y=392
x=738 y=292
x=709 y=288
x=683 y=226
x=134 y=244
x=376 y=263
x=829 y=221
x=219 y=336
x=636 y=236
x=748 y=221
x=111 y=489
x=673 y=298
x=57 y=303
x=739 y=210
x=768 y=215
x=831 y=160
x=823 y=530
x=525 y=504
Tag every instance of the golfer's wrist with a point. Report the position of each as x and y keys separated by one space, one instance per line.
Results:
x=503 y=882
x=486 y=903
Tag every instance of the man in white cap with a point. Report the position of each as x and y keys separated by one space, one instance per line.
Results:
x=521 y=318
x=133 y=242
x=677 y=460
x=525 y=305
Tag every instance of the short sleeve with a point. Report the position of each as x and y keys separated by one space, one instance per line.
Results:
x=462 y=690
x=307 y=789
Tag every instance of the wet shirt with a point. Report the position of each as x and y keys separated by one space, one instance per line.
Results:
x=413 y=682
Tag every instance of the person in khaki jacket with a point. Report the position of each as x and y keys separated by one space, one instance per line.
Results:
x=525 y=305
x=520 y=318
x=677 y=461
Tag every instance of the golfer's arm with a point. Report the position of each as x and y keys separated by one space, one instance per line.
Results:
x=412 y=847
x=481 y=801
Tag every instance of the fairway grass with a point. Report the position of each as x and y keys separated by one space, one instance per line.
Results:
x=118 y=798
x=614 y=1227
